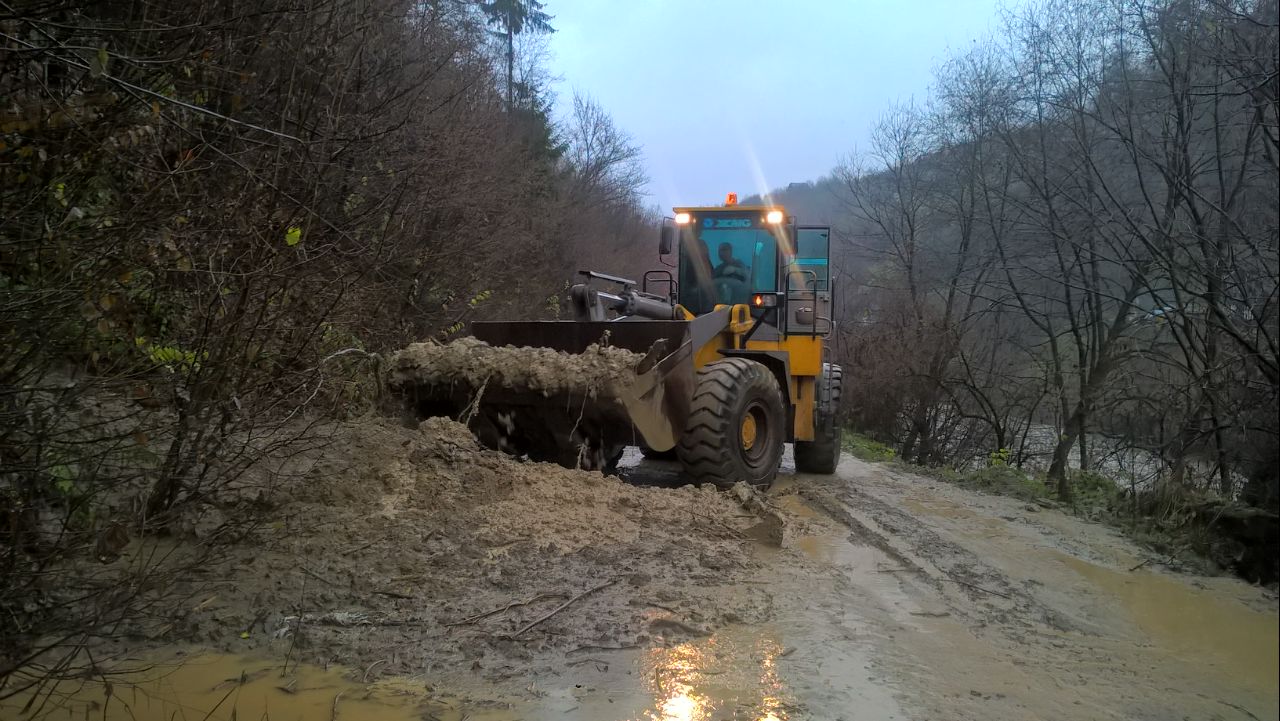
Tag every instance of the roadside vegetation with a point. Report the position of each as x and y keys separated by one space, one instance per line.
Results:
x=866 y=448
x=215 y=219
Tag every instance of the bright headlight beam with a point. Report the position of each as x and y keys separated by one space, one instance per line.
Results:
x=682 y=218
x=774 y=217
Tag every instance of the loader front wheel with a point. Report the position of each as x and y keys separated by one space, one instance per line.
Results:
x=736 y=425
x=649 y=453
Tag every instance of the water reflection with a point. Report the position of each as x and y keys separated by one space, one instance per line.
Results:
x=221 y=687
x=719 y=677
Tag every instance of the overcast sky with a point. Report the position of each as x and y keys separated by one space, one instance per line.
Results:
x=750 y=95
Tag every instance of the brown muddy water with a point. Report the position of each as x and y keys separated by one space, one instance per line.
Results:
x=1228 y=638
x=734 y=674
x=222 y=687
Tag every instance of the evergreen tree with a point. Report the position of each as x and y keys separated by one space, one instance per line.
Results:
x=514 y=17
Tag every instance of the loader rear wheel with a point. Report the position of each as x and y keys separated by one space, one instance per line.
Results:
x=736 y=425
x=822 y=454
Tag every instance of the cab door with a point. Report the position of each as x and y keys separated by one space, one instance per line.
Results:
x=808 y=282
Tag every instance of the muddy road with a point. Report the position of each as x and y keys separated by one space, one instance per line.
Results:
x=871 y=594
x=899 y=597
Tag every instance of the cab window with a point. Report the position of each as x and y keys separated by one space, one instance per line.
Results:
x=724 y=259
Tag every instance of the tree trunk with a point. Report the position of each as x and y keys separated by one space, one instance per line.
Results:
x=1225 y=484
x=165 y=490
x=1074 y=428
x=1084 y=450
x=1058 y=469
x=511 y=64
x=1263 y=486
x=909 y=445
x=921 y=432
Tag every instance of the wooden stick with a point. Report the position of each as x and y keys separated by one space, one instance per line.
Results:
x=592 y=647
x=562 y=607
x=508 y=607
x=316 y=576
x=333 y=716
x=393 y=594
x=979 y=588
x=350 y=551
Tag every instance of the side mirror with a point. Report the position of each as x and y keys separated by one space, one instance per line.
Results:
x=666 y=238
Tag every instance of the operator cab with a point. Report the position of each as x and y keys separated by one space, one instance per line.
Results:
x=727 y=255
x=756 y=256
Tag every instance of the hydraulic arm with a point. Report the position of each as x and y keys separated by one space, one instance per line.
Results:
x=593 y=304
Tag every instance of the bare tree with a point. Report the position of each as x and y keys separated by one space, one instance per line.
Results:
x=605 y=163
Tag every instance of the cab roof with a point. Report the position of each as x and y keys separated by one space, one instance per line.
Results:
x=728 y=208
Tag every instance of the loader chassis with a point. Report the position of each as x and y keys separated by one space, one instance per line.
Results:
x=734 y=357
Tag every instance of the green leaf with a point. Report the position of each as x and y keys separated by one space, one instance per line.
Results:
x=98 y=63
x=63 y=478
x=293 y=236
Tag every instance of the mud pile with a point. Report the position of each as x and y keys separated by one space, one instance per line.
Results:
x=419 y=549
x=600 y=370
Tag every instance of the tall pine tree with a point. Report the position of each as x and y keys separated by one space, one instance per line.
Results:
x=513 y=17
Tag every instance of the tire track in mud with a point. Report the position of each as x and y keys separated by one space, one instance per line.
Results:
x=972 y=589
x=1062 y=628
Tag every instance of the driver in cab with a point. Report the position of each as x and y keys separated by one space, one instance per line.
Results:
x=732 y=279
x=730 y=268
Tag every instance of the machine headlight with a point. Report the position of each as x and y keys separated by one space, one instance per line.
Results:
x=682 y=218
x=773 y=217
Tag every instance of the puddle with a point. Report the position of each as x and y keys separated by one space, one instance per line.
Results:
x=836 y=551
x=217 y=687
x=1214 y=631
x=975 y=525
x=722 y=677
x=872 y=572
x=826 y=541
x=739 y=674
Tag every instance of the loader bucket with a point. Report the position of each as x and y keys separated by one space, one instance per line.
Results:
x=584 y=427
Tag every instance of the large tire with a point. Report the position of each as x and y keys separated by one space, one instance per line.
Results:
x=611 y=459
x=822 y=454
x=736 y=426
x=667 y=455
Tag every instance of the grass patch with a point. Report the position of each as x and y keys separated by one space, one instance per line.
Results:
x=866 y=448
x=997 y=480
x=1093 y=494
x=1005 y=481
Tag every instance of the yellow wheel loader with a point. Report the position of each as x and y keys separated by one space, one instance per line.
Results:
x=731 y=353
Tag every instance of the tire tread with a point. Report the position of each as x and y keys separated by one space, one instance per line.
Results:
x=706 y=448
x=822 y=454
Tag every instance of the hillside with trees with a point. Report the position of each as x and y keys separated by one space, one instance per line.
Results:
x=1079 y=229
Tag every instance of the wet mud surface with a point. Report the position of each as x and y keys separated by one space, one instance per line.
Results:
x=412 y=568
